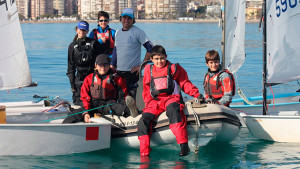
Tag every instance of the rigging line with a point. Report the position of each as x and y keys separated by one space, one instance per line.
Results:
x=74 y=113
x=241 y=93
x=273 y=96
x=198 y=125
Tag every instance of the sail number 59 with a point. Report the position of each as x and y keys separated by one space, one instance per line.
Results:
x=282 y=6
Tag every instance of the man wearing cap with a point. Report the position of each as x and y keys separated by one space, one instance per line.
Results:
x=104 y=89
x=127 y=52
x=82 y=53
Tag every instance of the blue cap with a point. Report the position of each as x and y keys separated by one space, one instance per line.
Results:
x=83 y=25
x=128 y=12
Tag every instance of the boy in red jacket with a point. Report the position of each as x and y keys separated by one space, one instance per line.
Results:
x=160 y=94
x=105 y=90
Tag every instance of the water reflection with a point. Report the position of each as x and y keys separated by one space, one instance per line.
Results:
x=273 y=154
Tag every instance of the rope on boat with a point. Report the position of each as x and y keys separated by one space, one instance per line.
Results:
x=240 y=92
x=198 y=124
x=74 y=114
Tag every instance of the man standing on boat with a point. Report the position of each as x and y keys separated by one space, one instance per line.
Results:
x=126 y=57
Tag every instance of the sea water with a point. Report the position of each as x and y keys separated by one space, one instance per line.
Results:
x=186 y=43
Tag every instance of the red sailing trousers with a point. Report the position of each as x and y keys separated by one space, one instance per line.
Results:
x=174 y=109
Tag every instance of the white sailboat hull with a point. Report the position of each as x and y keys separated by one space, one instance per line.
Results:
x=218 y=123
x=54 y=139
x=281 y=102
x=274 y=128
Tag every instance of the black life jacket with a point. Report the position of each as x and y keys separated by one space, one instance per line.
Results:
x=106 y=90
x=162 y=85
x=83 y=58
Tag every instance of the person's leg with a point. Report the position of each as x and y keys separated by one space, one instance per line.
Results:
x=145 y=129
x=178 y=124
x=74 y=116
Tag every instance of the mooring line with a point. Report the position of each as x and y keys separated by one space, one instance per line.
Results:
x=74 y=113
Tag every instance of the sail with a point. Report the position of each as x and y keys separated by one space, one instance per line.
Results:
x=14 y=67
x=234 y=34
x=283 y=41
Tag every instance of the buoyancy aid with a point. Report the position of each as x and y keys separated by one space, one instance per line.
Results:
x=213 y=86
x=104 y=89
x=110 y=43
x=163 y=84
x=83 y=56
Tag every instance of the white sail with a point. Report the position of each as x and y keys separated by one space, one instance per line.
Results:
x=235 y=34
x=14 y=67
x=283 y=41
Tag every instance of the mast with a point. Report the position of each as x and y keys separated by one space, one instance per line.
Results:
x=223 y=11
x=265 y=108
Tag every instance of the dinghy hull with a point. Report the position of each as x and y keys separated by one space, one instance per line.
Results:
x=217 y=123
x=54 y=139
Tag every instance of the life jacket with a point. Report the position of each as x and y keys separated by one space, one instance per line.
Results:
x=83 y=58
x=164 y=84
x=213 y=86
x=109 y=44
x=103 y=89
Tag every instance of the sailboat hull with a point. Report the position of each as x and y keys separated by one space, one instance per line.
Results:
x=53 y=139
x=274 y=128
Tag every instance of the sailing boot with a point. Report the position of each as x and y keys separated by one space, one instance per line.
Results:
x=130 y=103
x=144 y=145
x=185 y=149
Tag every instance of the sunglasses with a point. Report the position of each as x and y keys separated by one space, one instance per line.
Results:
x=103 y=64
x=105 y=20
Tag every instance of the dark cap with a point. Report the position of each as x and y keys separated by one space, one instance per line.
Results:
x=102 y=59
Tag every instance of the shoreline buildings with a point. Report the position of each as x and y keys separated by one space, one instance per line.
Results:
x=144 y=9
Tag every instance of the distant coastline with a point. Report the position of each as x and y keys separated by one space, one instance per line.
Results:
x=142 y=21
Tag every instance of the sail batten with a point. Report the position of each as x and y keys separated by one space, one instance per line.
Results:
x=14 y=67
x=283 y=54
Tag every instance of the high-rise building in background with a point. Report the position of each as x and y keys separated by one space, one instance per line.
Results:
x=40 y=8
x=24 y=8
x=71 y=7
x=59 y=7
x=157 y=9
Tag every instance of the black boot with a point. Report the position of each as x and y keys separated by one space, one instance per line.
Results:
x=184 y=149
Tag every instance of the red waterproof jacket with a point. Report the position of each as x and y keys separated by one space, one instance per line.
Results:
x=180 y=77
x=107 y=88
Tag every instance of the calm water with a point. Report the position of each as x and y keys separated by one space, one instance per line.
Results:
x=186 y=43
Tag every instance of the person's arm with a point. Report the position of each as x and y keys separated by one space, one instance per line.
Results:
x=71 y=68
x=85 y=92
x=227 y=88
x=146 y=86
x=113 y=63
x=185 y=84
x=148 y=46
x=121 y=86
